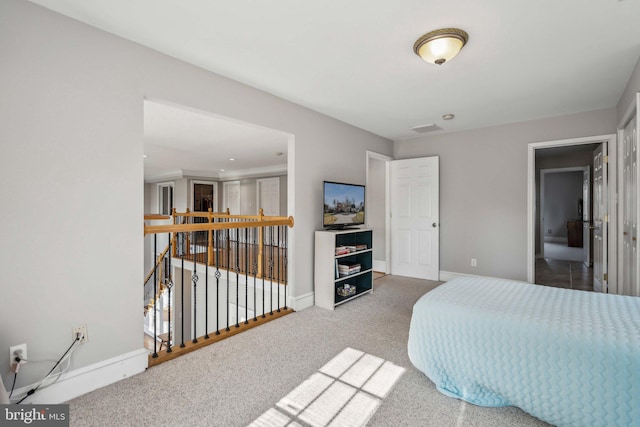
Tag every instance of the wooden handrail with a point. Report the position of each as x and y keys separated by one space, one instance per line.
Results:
x=180 y=228
x=160 y=258
x=207 y=214
x=155 y=217
x=252 y=221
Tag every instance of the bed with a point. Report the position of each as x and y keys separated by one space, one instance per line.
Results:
x=567 y=357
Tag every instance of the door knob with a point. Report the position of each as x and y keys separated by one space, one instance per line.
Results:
x=434 y=225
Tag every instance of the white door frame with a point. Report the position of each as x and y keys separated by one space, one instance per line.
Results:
x=215 y=192
x=611 y=141
x=387 y=204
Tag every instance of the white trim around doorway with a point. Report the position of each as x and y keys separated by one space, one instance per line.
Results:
x=611 y=142
x=384 y=266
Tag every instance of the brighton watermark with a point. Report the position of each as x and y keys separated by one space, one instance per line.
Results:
x=34 y=415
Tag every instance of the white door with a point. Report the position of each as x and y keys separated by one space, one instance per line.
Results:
x=586 y=217
x=268 y=194
x=268 y=198
x=630 y=280
x=231 y=197
x=415 y=228
x=600 y=219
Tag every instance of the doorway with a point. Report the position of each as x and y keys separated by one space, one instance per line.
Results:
x=564 y=257
x=378 y=212
x=578 y=152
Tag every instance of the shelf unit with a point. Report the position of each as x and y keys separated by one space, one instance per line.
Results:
x=326 y=278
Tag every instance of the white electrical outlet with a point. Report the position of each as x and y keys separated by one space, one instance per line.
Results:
x=82 y=330
x=17 y=351
x=474 y=262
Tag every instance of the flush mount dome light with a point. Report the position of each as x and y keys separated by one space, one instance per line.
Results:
x=440 y=46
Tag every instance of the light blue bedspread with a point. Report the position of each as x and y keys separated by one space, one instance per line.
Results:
x=567 y=357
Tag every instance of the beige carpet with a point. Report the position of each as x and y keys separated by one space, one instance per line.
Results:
x=236 y=381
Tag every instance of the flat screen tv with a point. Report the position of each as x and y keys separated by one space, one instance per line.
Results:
x=343 y=205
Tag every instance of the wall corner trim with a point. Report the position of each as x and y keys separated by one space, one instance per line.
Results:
x=303 y=301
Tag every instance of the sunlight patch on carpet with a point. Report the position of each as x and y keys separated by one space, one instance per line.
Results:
x=347 y=390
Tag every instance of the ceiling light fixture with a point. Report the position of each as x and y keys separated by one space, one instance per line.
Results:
x=448 y=116
x=440 y=46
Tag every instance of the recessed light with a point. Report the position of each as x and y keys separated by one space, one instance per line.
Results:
x=448 y=116
x=221 y=170
x=231 y=159
x=145 y=156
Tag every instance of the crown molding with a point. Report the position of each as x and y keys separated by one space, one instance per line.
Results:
x=221 y=176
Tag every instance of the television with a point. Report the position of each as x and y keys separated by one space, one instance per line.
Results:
x=343 y=205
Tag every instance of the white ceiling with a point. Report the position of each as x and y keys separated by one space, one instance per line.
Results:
x=179 y=142
x=353 y=60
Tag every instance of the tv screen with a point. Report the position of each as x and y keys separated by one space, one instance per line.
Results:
x=343 y=205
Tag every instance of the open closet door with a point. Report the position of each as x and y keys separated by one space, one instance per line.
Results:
x=586 y=217
x=600 y=219
x=629 y=279
x=415 y=228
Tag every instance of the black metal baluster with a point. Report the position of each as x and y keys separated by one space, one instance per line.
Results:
x=169 y=286
x=285 y=265
x=155 y=300
x=237 y=270
x=246 y=276
x=278 y=262
x=216 y=238
x=271 y=269
x=206 y=289
x=254 y=266
x=228 y=267
x=194 y=279
x=263 y=272
x=182 y=255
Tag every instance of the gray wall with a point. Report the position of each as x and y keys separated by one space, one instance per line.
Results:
x=72 y=109
x=483 y=188
x=629 y=94
x=561 y=193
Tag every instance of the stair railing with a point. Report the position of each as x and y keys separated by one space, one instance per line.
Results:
x=245 y=255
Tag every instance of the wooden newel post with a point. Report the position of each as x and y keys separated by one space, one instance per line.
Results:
x=260 y=243
x=210 y=240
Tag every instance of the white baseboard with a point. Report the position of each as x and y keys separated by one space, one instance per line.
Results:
x=380 y=266
x=303 y=301
x=445 y=276
x=84 y=380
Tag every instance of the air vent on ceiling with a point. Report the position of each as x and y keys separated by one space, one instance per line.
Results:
x=426 y=128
